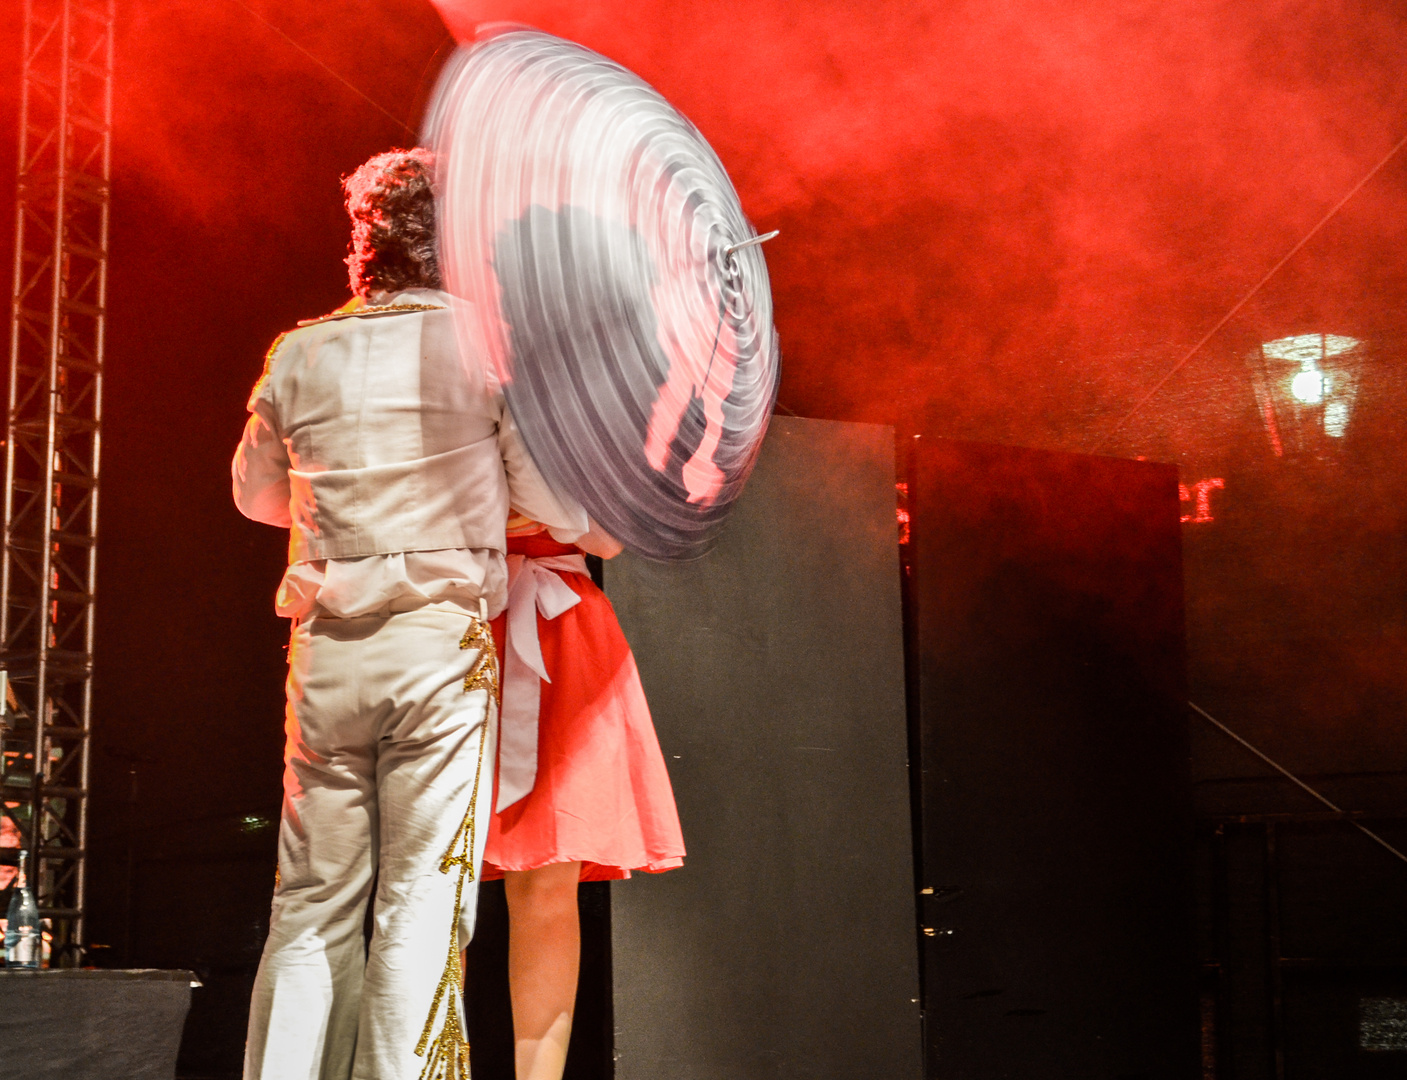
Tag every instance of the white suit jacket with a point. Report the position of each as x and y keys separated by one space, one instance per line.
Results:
x=372 y=436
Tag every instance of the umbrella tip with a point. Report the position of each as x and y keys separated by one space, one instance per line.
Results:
x=753 y=242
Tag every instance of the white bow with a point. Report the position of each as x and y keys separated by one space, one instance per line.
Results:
x=533 y=587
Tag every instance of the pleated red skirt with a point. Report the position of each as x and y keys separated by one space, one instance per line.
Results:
x=602 y=796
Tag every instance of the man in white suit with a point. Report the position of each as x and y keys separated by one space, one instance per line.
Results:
x=392 y=460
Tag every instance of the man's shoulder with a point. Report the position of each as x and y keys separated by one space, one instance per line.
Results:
x=351 y=316
x=405 y=303
x=267 y=373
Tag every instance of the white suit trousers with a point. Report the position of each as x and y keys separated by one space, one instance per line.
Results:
x=384 y=747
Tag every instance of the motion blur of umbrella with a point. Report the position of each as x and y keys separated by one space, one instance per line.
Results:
x=617 y=289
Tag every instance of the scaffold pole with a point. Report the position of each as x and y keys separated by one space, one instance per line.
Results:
x=48 y=567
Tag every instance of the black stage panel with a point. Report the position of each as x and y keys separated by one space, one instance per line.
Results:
x=785 y=947
x=58 y=1024
x=1047 y=629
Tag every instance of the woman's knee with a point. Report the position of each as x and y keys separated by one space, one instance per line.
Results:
x=547 y=890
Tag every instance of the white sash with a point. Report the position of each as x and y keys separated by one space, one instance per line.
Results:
x=533 y=587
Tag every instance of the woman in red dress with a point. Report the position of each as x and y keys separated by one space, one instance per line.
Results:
x=596 y=803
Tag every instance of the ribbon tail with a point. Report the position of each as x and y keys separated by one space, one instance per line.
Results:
x=517 y=731
x=532 y=588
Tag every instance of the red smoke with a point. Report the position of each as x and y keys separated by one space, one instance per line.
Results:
x=1004 y=221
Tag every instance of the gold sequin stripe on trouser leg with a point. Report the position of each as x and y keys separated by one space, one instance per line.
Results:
x=447 y=1054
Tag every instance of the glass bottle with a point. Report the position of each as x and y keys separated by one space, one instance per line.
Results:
x=22 y=933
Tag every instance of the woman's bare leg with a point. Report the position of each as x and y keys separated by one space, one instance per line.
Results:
x=544 y=954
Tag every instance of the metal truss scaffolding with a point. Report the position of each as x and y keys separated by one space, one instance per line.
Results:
x=47 y=572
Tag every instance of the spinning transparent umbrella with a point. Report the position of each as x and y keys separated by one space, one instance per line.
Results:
x=617 y=289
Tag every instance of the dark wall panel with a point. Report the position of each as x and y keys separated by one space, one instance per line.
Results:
x=774 y=667
x=91 y=1025
x=1046 y=605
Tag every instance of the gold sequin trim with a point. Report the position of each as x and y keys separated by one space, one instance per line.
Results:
x=353 y=309
x=371 y=309
x=484 y=674
x=268 y=368
x=448 y=1057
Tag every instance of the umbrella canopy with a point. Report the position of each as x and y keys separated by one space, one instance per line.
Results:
x=597 y=236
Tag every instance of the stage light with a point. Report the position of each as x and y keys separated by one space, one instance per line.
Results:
x=1308 y=387
x=1336 y=418
x=1305 y=388
x=1309 y=349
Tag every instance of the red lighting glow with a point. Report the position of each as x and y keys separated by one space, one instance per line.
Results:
x=1200 y=496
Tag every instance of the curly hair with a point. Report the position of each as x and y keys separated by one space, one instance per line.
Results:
x=391 y=201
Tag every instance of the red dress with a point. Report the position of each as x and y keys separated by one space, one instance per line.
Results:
x=602 y=795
